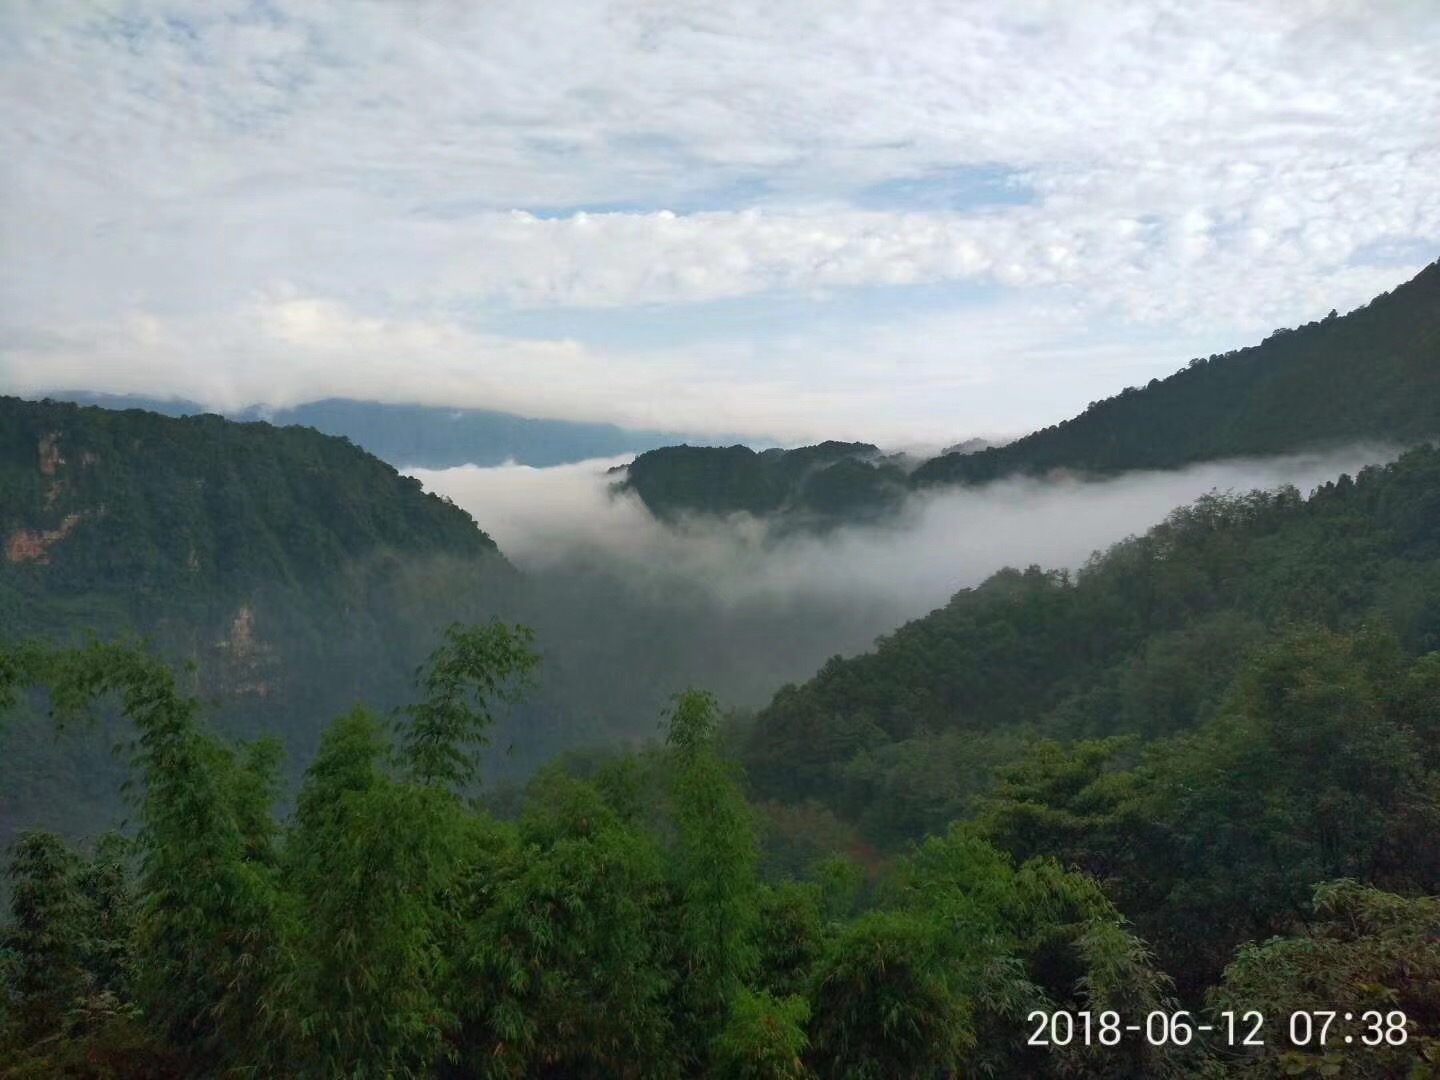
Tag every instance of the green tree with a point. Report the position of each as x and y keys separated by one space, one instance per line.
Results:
x=714 y=858
x=367 y=861
x=763 y=1039
x=47 y=937
x=567 y=954
x=207 y=926
x=1309 y=774
x=473 y=667
x=1364 y=951
x=881 y=1004
x=1035 y=937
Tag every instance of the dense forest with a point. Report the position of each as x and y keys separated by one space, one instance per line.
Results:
x=1142 y=641
x=1372 y=374
x=149 y=503
x=1210 y=718
x=428 y=652
x=1197 y=779
x=292 y=572
x=628 y=924
x=815 y=487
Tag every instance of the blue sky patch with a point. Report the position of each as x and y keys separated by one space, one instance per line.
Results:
x=959 y=188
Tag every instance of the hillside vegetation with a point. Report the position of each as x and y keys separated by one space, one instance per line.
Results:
x=157 y=502
x=1373 y=374
x=1210 y=718
x=293 y=571
x=1197 y=777
x=814 y=486
x=1141 y=641
x=622 y=926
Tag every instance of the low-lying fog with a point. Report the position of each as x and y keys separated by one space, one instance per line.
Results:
x=549 y=518
x=635 y=609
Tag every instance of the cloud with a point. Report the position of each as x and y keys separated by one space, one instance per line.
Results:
x=889 y=384
x=1200 y=169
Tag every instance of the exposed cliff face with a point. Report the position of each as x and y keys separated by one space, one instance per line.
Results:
x=49 y=451
x=241 y=640
x=33 y=545
x=249 y=665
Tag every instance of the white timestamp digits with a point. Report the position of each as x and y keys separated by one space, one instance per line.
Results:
x=1327 y=1027
x=1160 y=1028
x=1062 y=1028
x=1243 y=1030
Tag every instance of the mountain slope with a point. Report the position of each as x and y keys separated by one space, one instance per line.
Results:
x=299 y=574
x=1140 y=642
x=295 y=572
x=1372 y=374
x=153 y=502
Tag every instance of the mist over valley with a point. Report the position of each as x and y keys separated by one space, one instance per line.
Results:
x=647 y=608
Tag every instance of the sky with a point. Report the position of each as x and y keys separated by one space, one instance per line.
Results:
x=899 y=221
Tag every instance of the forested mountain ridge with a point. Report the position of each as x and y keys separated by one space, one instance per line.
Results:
x=826 y=484
x=1141 y=642
x=154 y=501
x=1276 y=837
x=1372 y=374
x=1210 y=719
x=299 y=574
x=293 y=570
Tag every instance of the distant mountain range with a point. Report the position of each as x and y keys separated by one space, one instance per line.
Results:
x=426 y=436
x=1371 y=374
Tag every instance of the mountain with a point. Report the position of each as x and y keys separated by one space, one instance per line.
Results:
x=298 y=574
x=294 y=571
x=1142 y=642
x=814 y=486
x=1274 y=849
x=1200 y=774
x=969 y=446
x=426 y=436
x=1373 y=374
